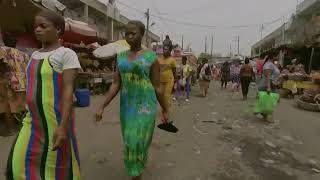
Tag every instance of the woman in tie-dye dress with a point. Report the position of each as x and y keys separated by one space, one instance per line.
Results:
x=46 y=147
x=137 y=79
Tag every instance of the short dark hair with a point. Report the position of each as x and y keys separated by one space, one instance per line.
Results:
x=246 y=61
x=57 y=20
x=184 y=58
x=140 y=26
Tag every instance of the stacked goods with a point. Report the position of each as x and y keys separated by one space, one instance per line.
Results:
x=284 y=76
x=310 y=100
x=310 y=96
x=297 y=76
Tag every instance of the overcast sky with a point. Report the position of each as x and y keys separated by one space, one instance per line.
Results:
x=226 y=15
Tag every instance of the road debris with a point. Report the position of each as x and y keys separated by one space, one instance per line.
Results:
x=199 y=131
x=315 y=170
x=267 y=161
x=270 y=144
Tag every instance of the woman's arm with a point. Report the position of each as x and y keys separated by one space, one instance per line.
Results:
x=155 y=79
x=253 y=74
x=113 y=91
x=267 y=74
x=60 y=134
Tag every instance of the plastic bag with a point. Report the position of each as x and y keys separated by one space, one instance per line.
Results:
x=183 y=82
x=266 y=102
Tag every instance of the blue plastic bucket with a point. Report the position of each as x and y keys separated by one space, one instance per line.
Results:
x=83 y=97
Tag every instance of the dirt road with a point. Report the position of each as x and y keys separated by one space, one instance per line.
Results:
x=219 y=139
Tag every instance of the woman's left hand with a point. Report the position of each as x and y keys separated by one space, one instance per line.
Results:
x=59 y=138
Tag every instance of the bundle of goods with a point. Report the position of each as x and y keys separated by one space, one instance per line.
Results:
x=316 y=77
x=297 y=76
x=284 y=76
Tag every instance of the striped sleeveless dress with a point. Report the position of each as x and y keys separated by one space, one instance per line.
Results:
x=31 y=157
x=138 y=107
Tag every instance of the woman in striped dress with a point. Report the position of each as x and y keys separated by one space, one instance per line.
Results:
x=46 y=147
x=138 y=80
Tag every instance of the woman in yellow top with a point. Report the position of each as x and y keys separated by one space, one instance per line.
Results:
x=167 y=73
x=186 y=73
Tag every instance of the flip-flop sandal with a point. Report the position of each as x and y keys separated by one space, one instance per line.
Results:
x=169 y=127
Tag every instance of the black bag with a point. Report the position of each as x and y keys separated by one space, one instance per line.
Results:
x=207 y=73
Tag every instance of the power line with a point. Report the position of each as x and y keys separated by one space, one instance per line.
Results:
x=199 y=25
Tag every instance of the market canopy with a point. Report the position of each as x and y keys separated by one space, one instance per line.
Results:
x=18 y=15
x=78 y=31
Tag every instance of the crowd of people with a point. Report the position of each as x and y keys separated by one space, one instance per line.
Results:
x=46 y=146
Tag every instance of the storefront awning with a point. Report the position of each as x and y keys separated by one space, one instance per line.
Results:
x=18 y=15
x=77 y=32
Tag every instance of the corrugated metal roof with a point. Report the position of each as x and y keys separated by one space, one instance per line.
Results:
x=53 y=5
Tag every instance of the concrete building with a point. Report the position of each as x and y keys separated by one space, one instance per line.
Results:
x=302 y=30
x=102 y=15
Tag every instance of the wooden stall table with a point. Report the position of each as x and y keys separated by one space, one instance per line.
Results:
x=299 y=85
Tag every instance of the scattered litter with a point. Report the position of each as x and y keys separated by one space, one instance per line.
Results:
x=315 y=170
x=214 y=113
x=237 y=151
x=313 y=163
x=287 y=138
x=267 y=161
x=199 y=131
x=209 y=121
x=227 y=127
x=197 y=150
x=102 y=161
x=270 y=144
x=236 y=126
x=220 y=121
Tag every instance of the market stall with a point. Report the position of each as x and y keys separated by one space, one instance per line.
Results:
x=310 y=100
x=97 y=73
x=15 y=78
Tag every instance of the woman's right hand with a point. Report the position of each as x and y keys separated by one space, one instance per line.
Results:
x=98 y=115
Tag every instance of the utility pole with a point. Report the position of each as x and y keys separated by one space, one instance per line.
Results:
x=148 y=22
x=261 y=35
x=230 y=50
x=205 y=45
x=238 y=45
x=284 y=31
x=282 y=52
x=182 y=43
x=211 y=46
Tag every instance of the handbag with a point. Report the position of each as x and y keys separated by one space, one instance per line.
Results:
x=266 y=102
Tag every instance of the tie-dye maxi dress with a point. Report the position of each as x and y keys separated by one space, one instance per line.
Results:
x=138 y=107
x=31 y=157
